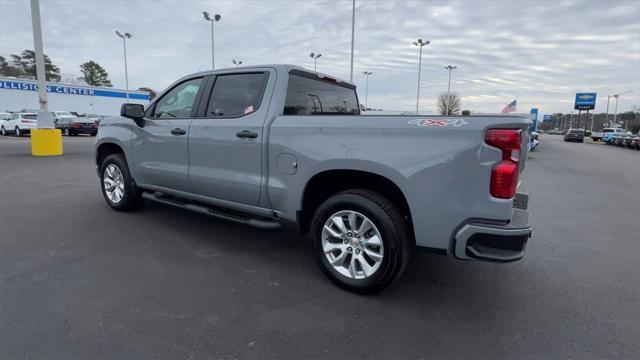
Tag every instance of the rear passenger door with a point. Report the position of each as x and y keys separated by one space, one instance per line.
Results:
x=160 y=145
x=225 y=140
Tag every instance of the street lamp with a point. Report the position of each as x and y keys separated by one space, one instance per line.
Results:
x=420 y=43
x=615 y=115
x=449 y=67
x=353 y=24
x=215 y=18
x=237 y=63
x=124 y=38
x=315 y=60
x=366 y=96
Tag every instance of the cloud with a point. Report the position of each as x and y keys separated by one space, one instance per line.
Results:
x=540 y=52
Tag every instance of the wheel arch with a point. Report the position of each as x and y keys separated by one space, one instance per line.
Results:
x=105 y=149
x=329 y=182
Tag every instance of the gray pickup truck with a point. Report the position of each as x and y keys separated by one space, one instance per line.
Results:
x=276 y=145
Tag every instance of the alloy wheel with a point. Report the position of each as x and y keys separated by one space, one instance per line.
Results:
x=352 y=244
x=113 y=183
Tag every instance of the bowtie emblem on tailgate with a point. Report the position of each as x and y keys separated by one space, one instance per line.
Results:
x=438 y=122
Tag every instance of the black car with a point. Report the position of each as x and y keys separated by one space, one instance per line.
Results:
x=81 y=125
x=574 y=135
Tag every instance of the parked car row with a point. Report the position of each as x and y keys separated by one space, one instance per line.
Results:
x=598 y=135
x=623 y=140
x=70 y=123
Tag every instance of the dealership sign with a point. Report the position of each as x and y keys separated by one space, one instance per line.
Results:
x=585 y=101
x=71 y=90
x=547 y=118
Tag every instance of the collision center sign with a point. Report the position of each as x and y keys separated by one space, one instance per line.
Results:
x=585 y=101
x=70 y=90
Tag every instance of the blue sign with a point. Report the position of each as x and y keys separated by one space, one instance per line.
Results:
x=534 y=119
x=547 y=118
x=585 y=101
x=71 y=90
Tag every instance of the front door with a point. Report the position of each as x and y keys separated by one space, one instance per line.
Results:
x=160 y=146
x=225 y=144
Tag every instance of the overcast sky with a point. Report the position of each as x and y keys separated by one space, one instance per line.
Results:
x=540 y=53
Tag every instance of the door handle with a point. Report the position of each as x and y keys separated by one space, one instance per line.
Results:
x=178 y=131
x=246 y=134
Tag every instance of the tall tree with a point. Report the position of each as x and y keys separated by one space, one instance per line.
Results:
x=152 y=93
x=448 y=104
x=8 y=70
x=94 y=74
x=26 y=62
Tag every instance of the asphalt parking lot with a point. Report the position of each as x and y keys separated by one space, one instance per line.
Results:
x=78 y=280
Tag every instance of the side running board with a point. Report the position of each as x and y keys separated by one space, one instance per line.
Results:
x=241 y=218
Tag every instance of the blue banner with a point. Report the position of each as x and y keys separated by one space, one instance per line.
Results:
x=547 y=118
x=585 y=101
x=71 y=90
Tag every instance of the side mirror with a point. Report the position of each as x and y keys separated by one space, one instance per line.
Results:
x=132 y=111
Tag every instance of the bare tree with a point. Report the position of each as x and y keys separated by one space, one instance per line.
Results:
x=449 y=104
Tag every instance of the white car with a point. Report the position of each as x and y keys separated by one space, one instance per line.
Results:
x=19 y=124
x=3 y=117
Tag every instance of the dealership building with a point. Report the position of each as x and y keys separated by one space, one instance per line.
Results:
x=17 y=94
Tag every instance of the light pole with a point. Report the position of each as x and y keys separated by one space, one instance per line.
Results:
x=124 y=38
x=315 y=60
x=237 y=63
x=366 y=91
x=353 y=22
x=215 y=18
x=617 y=96
x=607 y=116
x=449 y=67
x=420 y=43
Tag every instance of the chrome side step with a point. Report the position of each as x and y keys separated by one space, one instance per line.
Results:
x=241 y=218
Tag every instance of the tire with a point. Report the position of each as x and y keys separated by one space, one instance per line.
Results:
x=66 y=132
x=3 y=131
x=17 y=131
x=387 y=222
x=131 y=197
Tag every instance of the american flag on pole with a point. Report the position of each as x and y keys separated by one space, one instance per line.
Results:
x=511 y=107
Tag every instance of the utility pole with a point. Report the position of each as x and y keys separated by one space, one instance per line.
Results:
x=353 y=27
x=366 y=96
x=215 y=18
x=124 y=38
x=420 y=43
x=449 y=67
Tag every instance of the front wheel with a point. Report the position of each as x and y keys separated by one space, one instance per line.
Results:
x=17 y=131
x=118 y=187
x=360 y=240
x=3 y=131
x=67 y=132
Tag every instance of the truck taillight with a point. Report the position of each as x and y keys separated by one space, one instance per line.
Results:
x=504 y=176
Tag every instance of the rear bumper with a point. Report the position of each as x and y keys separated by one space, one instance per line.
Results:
x=498 y=242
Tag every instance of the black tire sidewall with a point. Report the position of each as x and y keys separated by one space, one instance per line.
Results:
x=389 y=231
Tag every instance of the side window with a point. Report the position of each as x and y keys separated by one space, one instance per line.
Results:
x=235 y=95
x=179 y=101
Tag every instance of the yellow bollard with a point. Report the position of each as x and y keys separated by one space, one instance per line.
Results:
x=46 y=142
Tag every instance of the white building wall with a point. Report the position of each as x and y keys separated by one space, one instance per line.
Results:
x=17 y=94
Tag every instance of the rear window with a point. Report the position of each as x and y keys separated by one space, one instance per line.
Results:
x=577 y=131
x=306 y=96
x=607 y=130
x=30 y=116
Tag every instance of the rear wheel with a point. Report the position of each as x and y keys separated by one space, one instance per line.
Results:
x=3 y=131
x=17 y=131
x=118 y=187
x=66 y=132
x=360 y=240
